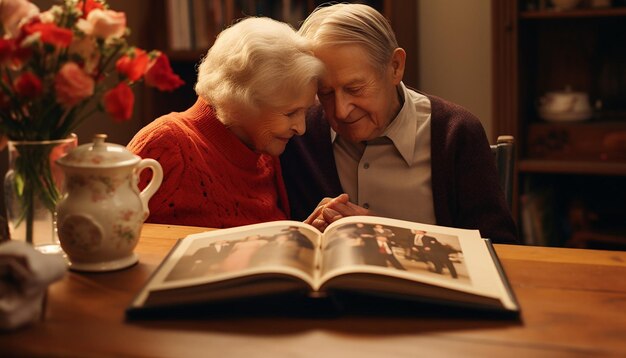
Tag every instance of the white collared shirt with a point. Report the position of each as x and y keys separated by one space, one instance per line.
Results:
x=391 y=175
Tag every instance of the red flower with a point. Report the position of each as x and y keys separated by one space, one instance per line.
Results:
x=50 y=33
x=86 y=6
x=133 y=65
x=119 y=101
x=161 y=76
x=28 y=85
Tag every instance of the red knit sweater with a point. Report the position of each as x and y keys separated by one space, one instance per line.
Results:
x=210 y=178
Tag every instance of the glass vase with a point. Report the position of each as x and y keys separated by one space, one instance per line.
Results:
x=32 y=187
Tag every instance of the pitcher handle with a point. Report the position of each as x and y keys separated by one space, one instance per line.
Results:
x=153 y=185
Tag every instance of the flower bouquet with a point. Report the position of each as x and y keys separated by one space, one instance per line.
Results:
x=58 y=67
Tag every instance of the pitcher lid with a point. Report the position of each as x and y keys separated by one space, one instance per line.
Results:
x=99 y=154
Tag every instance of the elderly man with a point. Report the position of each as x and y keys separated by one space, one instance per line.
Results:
x=378 y=147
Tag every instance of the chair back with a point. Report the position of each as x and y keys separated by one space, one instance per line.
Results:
x=504 y=152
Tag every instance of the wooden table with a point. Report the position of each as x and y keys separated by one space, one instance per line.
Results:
x=573 y=304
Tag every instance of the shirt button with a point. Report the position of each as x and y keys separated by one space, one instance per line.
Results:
x=366 y=205
x=366 y=165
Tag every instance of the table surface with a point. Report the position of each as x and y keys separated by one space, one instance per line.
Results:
x=573 y=304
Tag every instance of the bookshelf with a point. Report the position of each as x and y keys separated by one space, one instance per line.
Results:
x=571 y=175
x=185 y=44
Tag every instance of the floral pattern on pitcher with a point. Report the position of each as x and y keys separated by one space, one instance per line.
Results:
x=101 y=187
x=126 y=235
x=81 y=233
x=127 y=215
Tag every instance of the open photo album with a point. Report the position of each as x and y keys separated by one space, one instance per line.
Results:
x=366 y=254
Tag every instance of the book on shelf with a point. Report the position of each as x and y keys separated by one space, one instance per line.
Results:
x=198 y=24
x=363 y=255
x=194 y=24
x=178 y=19
x=215 y=19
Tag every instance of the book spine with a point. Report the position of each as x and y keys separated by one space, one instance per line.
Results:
x=202 y=19
x=502 y=274
x=179 y=34
x=528 y=231
x=172 y=25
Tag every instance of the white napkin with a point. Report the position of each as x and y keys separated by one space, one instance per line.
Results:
x=25 y=274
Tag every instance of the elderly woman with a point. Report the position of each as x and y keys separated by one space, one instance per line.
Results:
x=219 y=157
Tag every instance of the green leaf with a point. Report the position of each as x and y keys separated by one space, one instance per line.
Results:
x=19 y=185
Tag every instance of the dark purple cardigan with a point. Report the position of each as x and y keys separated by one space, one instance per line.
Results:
x=466 y=192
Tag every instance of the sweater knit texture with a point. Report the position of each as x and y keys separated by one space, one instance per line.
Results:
x=466 y=191
x=210 y=178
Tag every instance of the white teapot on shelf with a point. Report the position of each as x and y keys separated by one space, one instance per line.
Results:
x=565 y=105
x=99 y=219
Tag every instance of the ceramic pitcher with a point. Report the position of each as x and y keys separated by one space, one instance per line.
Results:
x=100 y=217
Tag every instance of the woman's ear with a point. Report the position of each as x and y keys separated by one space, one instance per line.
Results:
x=398 y=60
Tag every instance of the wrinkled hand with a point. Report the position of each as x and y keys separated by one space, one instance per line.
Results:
x=330 y=210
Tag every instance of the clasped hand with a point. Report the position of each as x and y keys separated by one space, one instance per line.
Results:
x=330 y=210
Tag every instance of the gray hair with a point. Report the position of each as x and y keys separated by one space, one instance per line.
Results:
x=253 y=64
x=349 y=24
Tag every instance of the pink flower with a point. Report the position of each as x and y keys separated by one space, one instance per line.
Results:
x=50 y=33
x=104 y=24
x=119 y=102
x=133 y=65
x=28 y=85
x=72 y=85
x=86 y=48
x=160 y=74
x=15 y=12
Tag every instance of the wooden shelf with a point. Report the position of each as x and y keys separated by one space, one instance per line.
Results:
x=574 y=170
x=576 y=13
x=612 y=123
x=593 y=239
x=571 y=167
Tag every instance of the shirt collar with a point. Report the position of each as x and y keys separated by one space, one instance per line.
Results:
x=401 y=131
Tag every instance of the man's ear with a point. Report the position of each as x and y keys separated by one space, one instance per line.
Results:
x=398 y=60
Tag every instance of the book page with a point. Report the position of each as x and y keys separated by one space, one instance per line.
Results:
x=456 y=259
x=281 y=247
